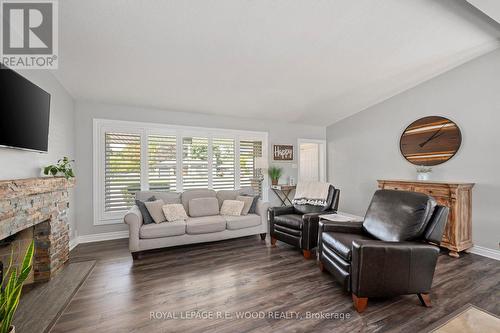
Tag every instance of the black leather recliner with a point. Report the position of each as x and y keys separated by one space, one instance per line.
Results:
x=298 y=224
x=388 y=253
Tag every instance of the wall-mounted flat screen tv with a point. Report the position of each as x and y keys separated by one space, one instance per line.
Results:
x=24 y=113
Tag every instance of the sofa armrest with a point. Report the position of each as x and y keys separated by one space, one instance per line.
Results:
x=134 y=220
x=262 y=209
x=381 y=269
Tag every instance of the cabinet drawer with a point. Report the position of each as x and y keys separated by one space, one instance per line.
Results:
x=434 y=191
x=398 y=187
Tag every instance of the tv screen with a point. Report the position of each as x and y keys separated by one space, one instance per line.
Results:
x=25 y=112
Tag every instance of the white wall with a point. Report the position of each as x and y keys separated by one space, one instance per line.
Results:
x=16 y=164
x=279 y=133
x=365 y=147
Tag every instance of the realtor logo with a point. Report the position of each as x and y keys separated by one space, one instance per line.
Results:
x=29 y=34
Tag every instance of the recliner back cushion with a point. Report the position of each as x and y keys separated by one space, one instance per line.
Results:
x=193 y=194
x=304 y=209
x=398 y=215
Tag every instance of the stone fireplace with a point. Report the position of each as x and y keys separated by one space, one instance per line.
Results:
x=35 y=208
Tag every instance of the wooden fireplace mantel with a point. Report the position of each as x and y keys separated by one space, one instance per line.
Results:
x=455 y=195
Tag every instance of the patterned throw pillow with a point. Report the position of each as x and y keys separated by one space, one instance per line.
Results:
x=146 y=217
x=154 y=208
x=232 y=207
x=174 y=212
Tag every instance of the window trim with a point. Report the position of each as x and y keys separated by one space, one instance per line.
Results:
x=101 y=126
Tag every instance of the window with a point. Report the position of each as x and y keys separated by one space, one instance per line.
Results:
x=129 y=157
x=162 y=163
x=194 y=163
x=249 y=150
x=223 y=170
x=123 y=170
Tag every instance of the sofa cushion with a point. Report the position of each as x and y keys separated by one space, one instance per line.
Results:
x=205 y=224
x=398 y=216
x=223 y=195
x=232 y=194
x=155 y=209
x=193 y=194
x=165 y=229
x=341 y=243
x=240 y=222
x=293 y=221
x=203 y=207
x=167 y=197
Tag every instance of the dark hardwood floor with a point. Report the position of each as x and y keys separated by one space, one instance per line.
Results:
x=246 y=274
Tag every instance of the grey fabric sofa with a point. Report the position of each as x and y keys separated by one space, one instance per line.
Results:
x=197 y=229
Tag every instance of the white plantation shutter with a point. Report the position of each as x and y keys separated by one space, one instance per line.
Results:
x=249 y=150
x=162 y=163
x=223 y=167
x=194 y=162
x=122 y=176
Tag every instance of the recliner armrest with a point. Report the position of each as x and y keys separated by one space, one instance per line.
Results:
x=345 y=227
x=381 y=269
x=276 y=211
x=310 y=228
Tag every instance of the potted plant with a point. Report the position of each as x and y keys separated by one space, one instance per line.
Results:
x=275 y=173
x=63 y=167
x=10 y=292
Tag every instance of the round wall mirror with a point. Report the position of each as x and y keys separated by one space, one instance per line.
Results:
x=430 y=141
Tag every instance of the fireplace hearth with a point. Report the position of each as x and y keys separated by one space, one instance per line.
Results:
x=36 y=209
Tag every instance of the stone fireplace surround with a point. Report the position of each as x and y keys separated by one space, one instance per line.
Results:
x=40 y=204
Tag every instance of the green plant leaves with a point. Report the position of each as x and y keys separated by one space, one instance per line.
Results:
x=63 y=167
x=11 y=294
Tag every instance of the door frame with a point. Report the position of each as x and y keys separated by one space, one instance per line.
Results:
x=322 y=157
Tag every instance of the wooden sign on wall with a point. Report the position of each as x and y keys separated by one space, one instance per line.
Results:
x=283 y=152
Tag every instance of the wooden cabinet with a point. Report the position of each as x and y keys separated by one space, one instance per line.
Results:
x=457 y=196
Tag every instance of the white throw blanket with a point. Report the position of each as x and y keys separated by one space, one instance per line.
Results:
x=311 y=193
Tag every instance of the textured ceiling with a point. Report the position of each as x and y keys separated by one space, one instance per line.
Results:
x=303 y=61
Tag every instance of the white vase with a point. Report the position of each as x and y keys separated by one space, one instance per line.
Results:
x=423 y=175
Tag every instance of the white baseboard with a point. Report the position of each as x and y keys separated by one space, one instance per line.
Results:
x=485 y=252
x=73 y=243
x=97 y=238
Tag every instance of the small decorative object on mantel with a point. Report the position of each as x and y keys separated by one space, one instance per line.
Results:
x=10 y=293
x=63 y=167
x=430 y=141
x=275 y=174
x=283 y=152
x=423 y=172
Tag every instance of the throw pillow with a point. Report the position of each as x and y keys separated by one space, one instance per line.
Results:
x=154 y=208
x=247 y=203
x=232 y=207
x=146 y=217
x=174 y=212
x=253 y=208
